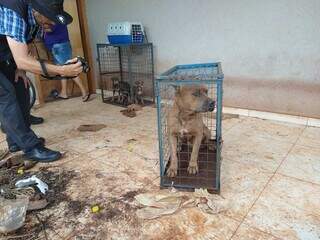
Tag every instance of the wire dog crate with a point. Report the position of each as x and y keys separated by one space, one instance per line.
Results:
x=126 y=73
x=185 y=95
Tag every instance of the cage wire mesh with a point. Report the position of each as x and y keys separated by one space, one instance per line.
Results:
x=209 y=76
x=123 y=68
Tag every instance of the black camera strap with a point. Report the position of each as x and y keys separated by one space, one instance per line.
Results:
x=85 y=69
x=43 y=67
x=46 y=74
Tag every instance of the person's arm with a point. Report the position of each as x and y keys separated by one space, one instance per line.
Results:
x=26 y=62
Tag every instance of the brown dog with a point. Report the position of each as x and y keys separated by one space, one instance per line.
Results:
x=185 y=120
x=115 y=88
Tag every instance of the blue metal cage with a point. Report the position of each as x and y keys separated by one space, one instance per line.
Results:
x=210 y=75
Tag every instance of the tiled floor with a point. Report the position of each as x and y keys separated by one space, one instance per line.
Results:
x=270 y=177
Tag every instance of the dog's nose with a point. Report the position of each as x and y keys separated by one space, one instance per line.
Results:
x=211 y=106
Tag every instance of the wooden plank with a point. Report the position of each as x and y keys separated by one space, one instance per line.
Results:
x=76 y=41
x=85 y=35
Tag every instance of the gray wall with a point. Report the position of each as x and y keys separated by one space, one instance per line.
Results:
x=270 y=50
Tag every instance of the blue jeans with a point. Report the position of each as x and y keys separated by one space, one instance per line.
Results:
x=14 y=109
x=62 y=52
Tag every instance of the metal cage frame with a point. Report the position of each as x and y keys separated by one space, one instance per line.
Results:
x=215 y=79
x=128 y=62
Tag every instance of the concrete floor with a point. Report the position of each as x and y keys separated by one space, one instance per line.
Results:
x=270 y=177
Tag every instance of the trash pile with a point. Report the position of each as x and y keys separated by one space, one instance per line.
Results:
x=23 y=192
x=19 y=193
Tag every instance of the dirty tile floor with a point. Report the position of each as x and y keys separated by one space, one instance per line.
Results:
x=270 y=177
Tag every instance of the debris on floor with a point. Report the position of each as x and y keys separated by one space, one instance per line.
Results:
x=16 y=161
x=23 y=193
x=91 y=127
x=169 y=202
x=12 y=214
x=132 y=140
x=156 y=205
x=37 y=204
x=95 y=209
x=3 y=154
x=131 y=110
x=131 y=143
x=210 y=203
x=43 y=187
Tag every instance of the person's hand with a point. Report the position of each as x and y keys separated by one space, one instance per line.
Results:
x=21 y=74
x=74 y=68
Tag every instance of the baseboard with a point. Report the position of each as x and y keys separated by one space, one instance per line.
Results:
x=311 y=122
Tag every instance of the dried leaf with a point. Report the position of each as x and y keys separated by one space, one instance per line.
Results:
x=153 y=213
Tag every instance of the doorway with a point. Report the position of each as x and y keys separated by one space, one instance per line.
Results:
x=79 y=39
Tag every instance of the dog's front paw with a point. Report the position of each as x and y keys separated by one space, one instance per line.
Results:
x=172 y=172
x=193 y=168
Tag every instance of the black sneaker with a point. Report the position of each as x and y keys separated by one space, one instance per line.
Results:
x=42 y=154
x=15 y=148
x=36 y=120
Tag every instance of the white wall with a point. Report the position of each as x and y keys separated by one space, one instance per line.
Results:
x=270 y=50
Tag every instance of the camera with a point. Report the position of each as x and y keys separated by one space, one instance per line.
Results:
x=84 y=63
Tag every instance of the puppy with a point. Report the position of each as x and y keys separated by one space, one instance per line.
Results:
x=185 y=121
x=115 y=88
x=125 y=92
x=138 y=92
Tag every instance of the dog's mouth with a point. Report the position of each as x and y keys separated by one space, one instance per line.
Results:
x=208 y=106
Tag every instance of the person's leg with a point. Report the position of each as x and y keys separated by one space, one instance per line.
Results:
x=12 y=119
x=22 y=95
x=14 y=126
x=64 y=89
x=62 y=52
x=23 y=98
x=77 y=80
